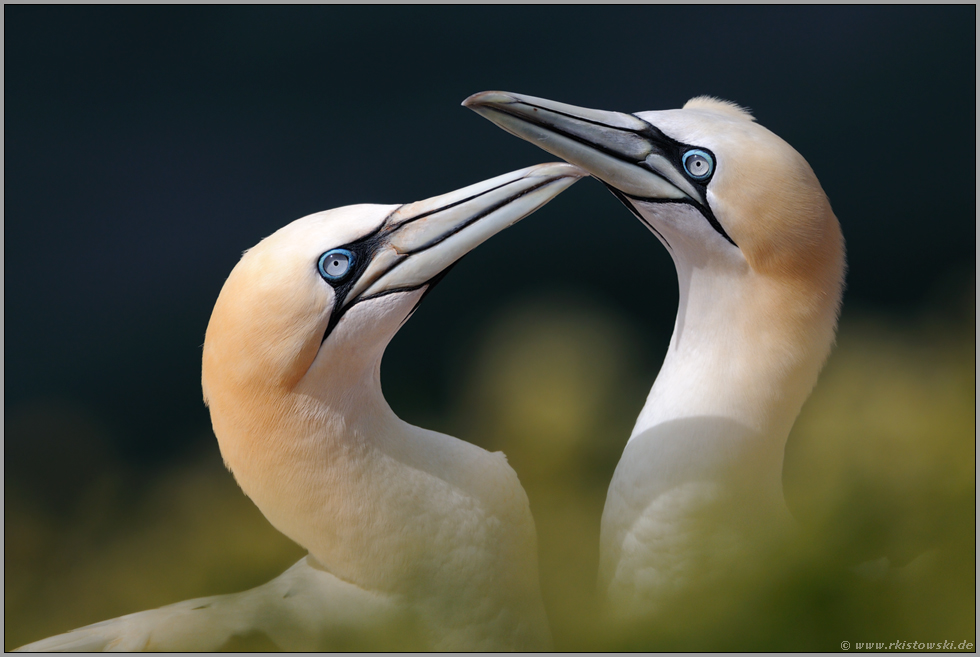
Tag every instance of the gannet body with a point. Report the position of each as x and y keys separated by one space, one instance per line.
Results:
x=760 y=266
x=411 y=533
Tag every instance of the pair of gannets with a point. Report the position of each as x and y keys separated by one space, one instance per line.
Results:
x=417 y=532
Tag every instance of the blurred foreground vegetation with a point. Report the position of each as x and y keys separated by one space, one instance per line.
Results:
x=880 y=465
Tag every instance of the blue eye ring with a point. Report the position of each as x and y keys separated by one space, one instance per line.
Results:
x=698 y=164
x=335 y=264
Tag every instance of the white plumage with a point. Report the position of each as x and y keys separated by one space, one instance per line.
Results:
x=760 y=266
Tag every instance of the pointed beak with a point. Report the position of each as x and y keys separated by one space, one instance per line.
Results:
x=622 y=150
x=419 y=241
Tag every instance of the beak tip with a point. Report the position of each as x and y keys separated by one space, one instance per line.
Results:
x=482 y=98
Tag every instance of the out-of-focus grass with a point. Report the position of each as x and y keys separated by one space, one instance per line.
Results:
x=880 y=464
x=557 y=389
x=128 y=541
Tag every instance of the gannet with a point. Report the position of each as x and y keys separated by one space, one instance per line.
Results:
x=760 y=266
x=414 y=537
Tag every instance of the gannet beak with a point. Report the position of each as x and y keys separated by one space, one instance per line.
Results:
x=420 y=240
x=621 y=150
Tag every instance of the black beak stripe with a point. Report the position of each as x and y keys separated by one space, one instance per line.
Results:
x=660 y=143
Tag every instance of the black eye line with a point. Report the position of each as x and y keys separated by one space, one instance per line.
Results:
x=703 y=209
x=700 y=183
x=374 y=240
x=363 y=250
x=676 y=155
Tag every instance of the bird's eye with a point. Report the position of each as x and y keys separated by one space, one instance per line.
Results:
x=698 y=164
x=335 y=264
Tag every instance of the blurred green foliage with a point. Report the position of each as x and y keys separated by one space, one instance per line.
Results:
x=881 y=464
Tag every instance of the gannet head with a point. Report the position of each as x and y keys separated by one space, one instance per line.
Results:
x=303 y=319
x=758 y=250
x=310 y=309
x=733 y=188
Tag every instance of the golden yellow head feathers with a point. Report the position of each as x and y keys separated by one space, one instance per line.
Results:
x=719 y=106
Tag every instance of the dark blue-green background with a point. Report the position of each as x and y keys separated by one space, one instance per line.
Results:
x=146 y=147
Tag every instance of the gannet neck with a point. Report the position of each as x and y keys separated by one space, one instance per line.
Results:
x=702 y=470
x=383 y=504
x=746 y=346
